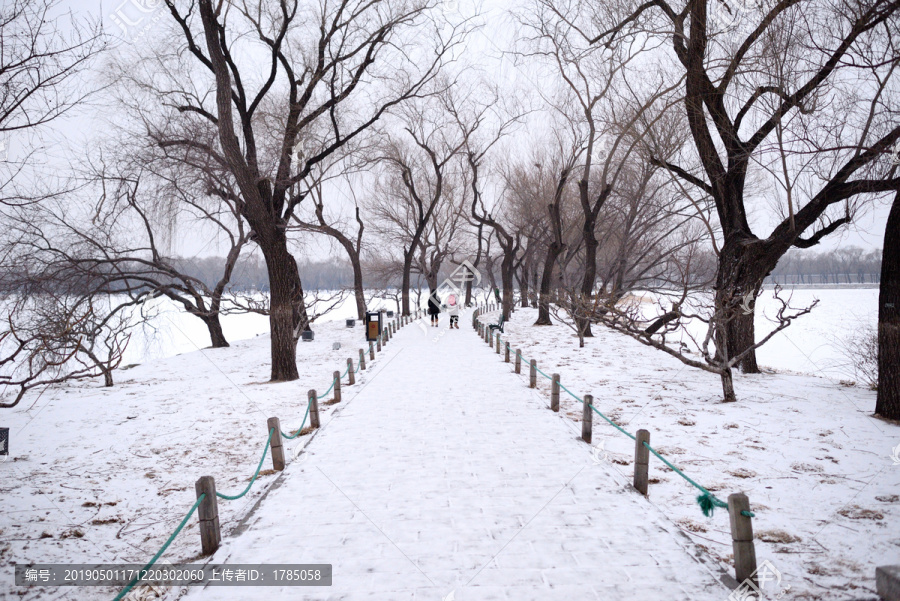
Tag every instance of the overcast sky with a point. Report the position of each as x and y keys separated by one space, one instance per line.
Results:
x=131 y=21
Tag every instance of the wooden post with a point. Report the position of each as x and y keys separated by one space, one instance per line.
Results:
x=587 y=418
x=641 y=461
x=532 y=376
x=351 y=377
x=742 y=538
x=498 y=343
x=275 y=444
x=554 y=393
x=208 y=512
x=506 y=353
x=371 y=352
x=362 y=360
x=518 y=361
x=378 y=343
x=313 y=409
x=337 y=387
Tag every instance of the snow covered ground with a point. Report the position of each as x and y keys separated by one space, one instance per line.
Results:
x=444 y=477
x=106 y=474
x=815 y=464
x=814 y=343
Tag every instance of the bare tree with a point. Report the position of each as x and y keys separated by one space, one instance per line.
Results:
x=332 y=69
x=122 y=248
x=330 y=226
x=420 y=167
x=57 y=327
x=820 y=129
x=42 y=54
x=597 y=98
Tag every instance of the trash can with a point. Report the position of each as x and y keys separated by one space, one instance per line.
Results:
x=351 y=323
x=390 y=313
x=308 y=336
x=373 y=325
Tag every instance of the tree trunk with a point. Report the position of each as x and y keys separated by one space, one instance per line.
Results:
x=590 y=275
x=523 y=285
x=728 y=387
x=216 y=335
x=358 y=287
x=287 y=310
x=888 y=403
x=744 y=263
x=553 y=252
x=507 y=268
x=404 y=287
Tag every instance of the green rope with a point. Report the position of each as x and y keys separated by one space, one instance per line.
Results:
x=162 y=549
x=346 y=371
x=323 y=395
x=297 y=433
x=253 y=479
x=707 y=501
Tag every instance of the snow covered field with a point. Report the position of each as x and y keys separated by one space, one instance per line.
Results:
x=814 y=463
x=106 y=474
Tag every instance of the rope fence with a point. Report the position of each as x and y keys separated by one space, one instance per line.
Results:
x=210 y=535
x=738 y=505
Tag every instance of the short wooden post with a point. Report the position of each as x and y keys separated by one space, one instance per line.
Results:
x=313 y=409
x=587 y=418
x=498 y=343
x=506 y=353
x=337 y=387
x=275 y=444
x=641 y=461
x=371 y=352
x=532 y=376
x=351 y=377
x=518 y=361
x=385 y=336
x=362 y=360
x=554 y=393
x=378 y=343
x=742 y=538
x=208 y=512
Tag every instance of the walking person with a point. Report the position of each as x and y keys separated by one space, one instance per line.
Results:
x=434 y=307
x=453 y=310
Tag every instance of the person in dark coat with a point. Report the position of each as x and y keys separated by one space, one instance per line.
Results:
x=434 y=307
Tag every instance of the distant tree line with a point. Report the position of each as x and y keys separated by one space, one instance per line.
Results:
x=250 y=273
x=850 y=265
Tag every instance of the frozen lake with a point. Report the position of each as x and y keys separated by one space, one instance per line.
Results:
x=812 y=344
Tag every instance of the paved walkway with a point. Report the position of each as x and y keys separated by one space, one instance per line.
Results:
x=444 y=477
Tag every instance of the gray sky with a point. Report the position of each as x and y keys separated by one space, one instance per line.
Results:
x=134 y=20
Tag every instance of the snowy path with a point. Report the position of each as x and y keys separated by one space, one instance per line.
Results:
x=444 y=473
